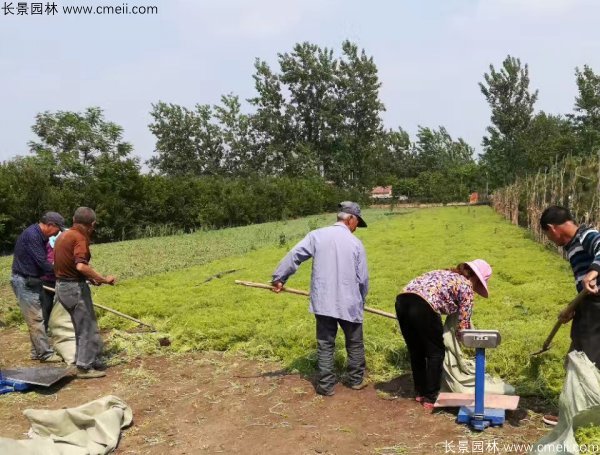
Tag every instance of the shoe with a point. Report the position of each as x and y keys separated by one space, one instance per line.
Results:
x=82 y=373
x=99 y=365
x=428 y=405
x=52 y=358
x=360 y=385
x=325 y=392
x=419 y=398
x=550 y=419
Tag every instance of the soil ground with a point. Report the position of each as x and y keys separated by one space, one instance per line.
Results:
x=217 y=403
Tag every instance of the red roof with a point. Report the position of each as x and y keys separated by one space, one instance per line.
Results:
x=382 y=190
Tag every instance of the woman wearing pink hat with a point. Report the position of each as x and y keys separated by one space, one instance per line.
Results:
x=419 y=308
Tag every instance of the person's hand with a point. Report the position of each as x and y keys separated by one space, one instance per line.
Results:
x=566 y=315
x=277 y=286
x=589 y=282
x=110 y=280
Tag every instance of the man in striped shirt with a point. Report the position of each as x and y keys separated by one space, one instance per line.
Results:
x=582 y=245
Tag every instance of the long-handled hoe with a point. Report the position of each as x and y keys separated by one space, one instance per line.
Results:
x=570 y=308
x=118 y=313
x=300 y=292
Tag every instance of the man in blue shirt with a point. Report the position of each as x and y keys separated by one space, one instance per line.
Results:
x=29 y=264
x=339 y=286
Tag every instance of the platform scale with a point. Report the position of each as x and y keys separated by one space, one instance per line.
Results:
x=479 y=411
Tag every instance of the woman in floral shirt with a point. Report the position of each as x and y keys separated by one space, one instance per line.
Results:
x=419 y=308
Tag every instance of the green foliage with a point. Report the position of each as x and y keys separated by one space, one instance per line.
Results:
x=437 y=151
x=151 y=256
x=507 y=92
x=587 y=108
x=589 y=436
x=130 y=205
x=548 y=140
x=528 y=288
x=70 y=143
x=188 y=143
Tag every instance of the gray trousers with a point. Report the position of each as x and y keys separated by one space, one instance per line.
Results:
x=326 y=333
x=76 y=297
x=28 y=293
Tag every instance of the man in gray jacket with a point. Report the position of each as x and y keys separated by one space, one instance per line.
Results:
x=339 y=285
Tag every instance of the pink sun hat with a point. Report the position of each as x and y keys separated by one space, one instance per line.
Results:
x=483 y=271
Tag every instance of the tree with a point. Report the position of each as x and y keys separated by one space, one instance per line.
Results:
x=277 y=144
x=358 y=98
x=70 y=143
x=437 y=151
x=548 y=140
x=188 y=142
x=240 y=152
x=393 y=158
x=319 y=114
x=511 y=102
x=309 y=74
x=587 y=108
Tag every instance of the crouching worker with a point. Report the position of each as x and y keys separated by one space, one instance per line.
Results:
x=338 y=288
x=418 y=309
x=72 y=269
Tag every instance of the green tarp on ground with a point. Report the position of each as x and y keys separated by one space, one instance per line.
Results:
x=91 y=429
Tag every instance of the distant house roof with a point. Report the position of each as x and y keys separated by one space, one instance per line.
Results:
x=381 y=191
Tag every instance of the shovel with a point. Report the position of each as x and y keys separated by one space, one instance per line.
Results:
x=574 y=303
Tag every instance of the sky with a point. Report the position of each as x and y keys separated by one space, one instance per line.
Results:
x=430 y=54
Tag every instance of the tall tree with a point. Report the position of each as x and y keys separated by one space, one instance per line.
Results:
x=240 y=152
x=308 y=74
x=548 y=140
x=276 y=138
x=507 y=92
x=358 y=99
x=393 y=158
x=320 y=113
x=437 y=151
x=70 y=143
x=587 y=108
x=188 y=142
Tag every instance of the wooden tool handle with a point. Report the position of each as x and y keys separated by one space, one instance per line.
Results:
x=299 y=292
x=570 y=307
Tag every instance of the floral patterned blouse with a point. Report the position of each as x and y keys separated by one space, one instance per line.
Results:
x=447 y=292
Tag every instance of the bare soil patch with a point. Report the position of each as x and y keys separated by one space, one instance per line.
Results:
x=216 y=403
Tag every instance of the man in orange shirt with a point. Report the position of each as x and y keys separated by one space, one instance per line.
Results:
x=72 y=270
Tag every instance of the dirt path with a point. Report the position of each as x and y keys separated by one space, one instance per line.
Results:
x=214 y=403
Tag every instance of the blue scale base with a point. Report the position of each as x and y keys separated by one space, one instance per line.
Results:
x=491 y=417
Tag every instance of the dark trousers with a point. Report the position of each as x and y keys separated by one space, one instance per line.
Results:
x=422 y=330
x=47 y=301
x=585 y=330
x=326 y=333
x=76 y=297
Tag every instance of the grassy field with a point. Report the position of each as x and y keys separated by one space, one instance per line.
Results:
x=165 y=286
x=144 y=257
